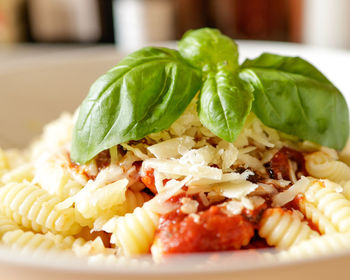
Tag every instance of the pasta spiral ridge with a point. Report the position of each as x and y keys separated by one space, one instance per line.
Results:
x=7 y=224
x=320 y=245
x=282 y=229
x=134 y=232
x=331 y=203
x=18 y=239
x=316 y=216
x=133 y=199
x=320 y=165
x=33 y=208
x=19 y=174
x=36 y=241
x=346 y=189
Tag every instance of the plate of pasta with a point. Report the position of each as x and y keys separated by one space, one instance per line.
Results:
x=190 y=162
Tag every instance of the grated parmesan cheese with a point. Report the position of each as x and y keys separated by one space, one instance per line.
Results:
x=172 y=148
x=300 y=186
x=188 y=205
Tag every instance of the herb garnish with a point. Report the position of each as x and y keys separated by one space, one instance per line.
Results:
x=150 y=88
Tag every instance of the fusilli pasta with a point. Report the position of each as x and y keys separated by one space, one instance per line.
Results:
x=282 y=228
x=134 y=232
x=33 y=208
x=321 y=165
x=19 y=174
x=331 y=203
x=315 y=216
x=317 y=246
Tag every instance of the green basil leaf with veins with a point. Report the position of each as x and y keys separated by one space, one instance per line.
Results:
x=291 y=95
x=145 y=93
x=209 y=50
x=224 y=104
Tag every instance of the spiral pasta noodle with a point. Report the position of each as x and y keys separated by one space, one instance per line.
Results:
x=282 y=229
x=320 y=165
x=331 y=203
x=316 y=216
x=317 y=246
x=135 y=231
x=7 y=224
x=346 y=189
x=19 y=174
x=25 y=240
x=133 y=199
x=33 y=208
x=21 y=240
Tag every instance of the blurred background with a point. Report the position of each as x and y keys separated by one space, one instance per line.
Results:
x=131 y=23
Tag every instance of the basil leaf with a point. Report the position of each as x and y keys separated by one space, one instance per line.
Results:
x=209 y=50
x=291 y=95
x=224 y=105
x=145 y=93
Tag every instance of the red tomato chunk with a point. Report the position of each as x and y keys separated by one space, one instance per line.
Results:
x=210 y=230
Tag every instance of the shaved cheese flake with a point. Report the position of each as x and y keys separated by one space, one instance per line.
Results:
x=247 y=173
x=265 y=189
x=188 y=205
x=170 y=189
x=252 y=202
x=158 y=181
x=137 y=152
x=229 y=154
x=227 y=177
x=162 y=208
x=247 y=203
x=280 y=183
x=246 y=150
x=233 y=207
x=204 y=199
x=203 y=156
x=300 y=186
x=251 y=161
x=172 y=148
x=175 y=167
x=235 y=189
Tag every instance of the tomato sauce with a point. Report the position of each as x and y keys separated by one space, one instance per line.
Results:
x=295 y=204
x=279 y=168
x=103 y=159
x=148 y=180
x=207 y=231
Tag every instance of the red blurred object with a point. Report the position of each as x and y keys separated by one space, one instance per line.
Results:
x=278 y=20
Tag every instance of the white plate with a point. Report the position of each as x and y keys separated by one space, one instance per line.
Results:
x=36 y=90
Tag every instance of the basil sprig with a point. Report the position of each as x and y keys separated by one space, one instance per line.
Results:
x=149 y=89
x=291 y=95
x=145 y=93
x=223 y=104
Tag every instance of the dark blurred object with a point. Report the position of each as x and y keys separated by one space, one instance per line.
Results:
x=12 y=24
x=190 y=14
x=64 y=20
x=106 y=21
x=296 y=12
x=250 y=19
